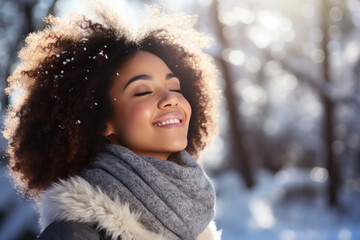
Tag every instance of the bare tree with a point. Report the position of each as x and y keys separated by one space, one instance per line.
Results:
x=328 y=119
x=321 y=86
x=239 y=157
x=26 y=9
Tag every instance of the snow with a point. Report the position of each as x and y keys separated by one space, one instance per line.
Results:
x=20 y=214
x=289 y=205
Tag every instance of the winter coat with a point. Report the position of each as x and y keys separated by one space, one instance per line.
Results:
x=75 y=210
x=71 y=230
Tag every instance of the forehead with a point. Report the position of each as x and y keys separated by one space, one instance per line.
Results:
x=142 y=62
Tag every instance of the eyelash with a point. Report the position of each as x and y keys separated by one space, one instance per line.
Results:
x=177 y=90
x=144 y=93
x=141 y=94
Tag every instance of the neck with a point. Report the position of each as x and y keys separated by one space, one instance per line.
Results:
x=162 y=155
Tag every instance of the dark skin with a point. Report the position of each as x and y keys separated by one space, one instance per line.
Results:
x=151 y=114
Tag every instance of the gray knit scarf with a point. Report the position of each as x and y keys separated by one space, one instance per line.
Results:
x=175 y=196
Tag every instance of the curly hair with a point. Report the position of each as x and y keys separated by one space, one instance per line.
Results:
x=56 y=130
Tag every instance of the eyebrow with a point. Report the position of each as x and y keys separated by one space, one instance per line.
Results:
x=147 y=77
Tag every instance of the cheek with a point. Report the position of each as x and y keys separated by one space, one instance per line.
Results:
x=137 y=115
x=187 y=107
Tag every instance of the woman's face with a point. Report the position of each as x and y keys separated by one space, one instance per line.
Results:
x=151 y=115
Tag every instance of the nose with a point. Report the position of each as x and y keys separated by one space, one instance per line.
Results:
x=168 y=99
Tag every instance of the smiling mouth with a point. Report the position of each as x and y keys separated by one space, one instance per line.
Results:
x=169 y=122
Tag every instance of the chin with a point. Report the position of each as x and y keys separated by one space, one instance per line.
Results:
x=178 y=147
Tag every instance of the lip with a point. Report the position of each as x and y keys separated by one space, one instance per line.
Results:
x=168 y=116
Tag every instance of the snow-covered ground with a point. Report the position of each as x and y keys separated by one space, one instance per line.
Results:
x=290 y=205
x=19 y=215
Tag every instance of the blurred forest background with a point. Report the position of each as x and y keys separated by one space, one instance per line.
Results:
x=286 y=161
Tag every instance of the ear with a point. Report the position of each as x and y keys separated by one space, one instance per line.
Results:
x=110 y=134
x=109 y=129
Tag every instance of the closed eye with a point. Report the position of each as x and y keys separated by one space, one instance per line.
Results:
x=142 y=93
x=177 y=90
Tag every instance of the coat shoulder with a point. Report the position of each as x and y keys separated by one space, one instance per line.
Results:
x=70 y=231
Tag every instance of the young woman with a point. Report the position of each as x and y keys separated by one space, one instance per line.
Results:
x=113 y=119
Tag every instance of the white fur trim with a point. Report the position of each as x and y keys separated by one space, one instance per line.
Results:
x=76 y=200
x=210 y=233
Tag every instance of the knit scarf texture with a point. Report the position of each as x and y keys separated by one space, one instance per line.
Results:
x=174 y=197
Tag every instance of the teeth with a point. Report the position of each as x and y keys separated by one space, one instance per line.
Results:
x=167 y=122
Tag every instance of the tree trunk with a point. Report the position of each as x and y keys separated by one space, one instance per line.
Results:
x=27 y=27
x=328 y=122
x=240 y=159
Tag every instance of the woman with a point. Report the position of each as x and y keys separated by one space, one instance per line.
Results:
x=112 y=122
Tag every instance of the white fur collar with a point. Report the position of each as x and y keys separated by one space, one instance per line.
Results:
x=76 y=200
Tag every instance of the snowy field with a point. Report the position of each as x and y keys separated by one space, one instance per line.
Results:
x=19 y=215
x=287 y=206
